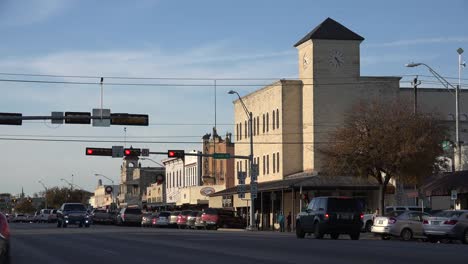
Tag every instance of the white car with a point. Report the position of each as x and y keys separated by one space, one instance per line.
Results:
x=44 y=215
x=367 y=222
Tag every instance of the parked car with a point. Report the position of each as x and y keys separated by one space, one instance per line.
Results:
x=4 y=240
x=73 y=214
x=191 y=219
x=53 y=216
x=129 y=216
x=199 y=222
x=19 y=218
x=331 y=215
x=443 y=225
x=37 y=216
x=173 y=218
x=367 y=222
x=461 y=228
x=404 y=224
x=182 y=219
x=163 y=219
x=44 y=216
x=146 y=219
x=103 y=216
x=215 y=218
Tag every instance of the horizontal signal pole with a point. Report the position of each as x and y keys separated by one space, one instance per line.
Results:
x=200 y=155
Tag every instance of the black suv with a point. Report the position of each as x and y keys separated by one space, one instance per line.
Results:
x=331 y=215
x=73 y=214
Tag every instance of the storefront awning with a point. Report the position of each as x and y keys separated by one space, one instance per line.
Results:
x=443 y=184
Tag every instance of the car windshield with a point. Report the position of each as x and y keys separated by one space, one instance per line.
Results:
x=344 y=205
x=395 y=213
x=175 y=213
x=133 y=211
x=211 y=211
x=186 y=212
x=165 y=214
x=450 y=214
x=74 y=207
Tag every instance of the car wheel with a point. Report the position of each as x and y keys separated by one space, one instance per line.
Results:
x=368 y=226
x=465 y=237
x=299 y=232
x=59 y=224
x=406 y=234
x=432 y=239
x=317 y=232
x=334 y=236
x=355 y=236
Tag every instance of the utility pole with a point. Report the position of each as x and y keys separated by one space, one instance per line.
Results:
x=415 y=84
x=457 y=116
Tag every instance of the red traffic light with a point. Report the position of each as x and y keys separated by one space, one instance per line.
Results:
x=176 y=154
x=99 y=151
x=132 y=152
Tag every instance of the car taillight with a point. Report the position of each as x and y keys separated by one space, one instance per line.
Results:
x=327 y=216
x=123 y=216
x=392 y=220
x=450 y=222
x=362 y=216
x=425 y=222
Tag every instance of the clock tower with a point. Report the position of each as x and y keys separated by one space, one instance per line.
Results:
x=329 y=60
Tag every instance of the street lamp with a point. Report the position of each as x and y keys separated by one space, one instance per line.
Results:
x=72 y=184
x=45 y=194
x=446 y=84
x=102 y=175
x=252 y=180
x=143 y=158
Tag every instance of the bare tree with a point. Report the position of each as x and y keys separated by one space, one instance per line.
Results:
x=385 y=140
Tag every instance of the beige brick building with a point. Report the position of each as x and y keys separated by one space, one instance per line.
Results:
x=292 y=119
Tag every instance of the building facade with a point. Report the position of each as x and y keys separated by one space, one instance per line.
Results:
x=219 y=172
x=101 y=198
x=175 y=171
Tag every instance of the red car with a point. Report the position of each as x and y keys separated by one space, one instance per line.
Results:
x=182 y=219
x=216 y=218
x=4 y=240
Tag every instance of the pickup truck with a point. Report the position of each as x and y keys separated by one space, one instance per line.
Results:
x=73 y=214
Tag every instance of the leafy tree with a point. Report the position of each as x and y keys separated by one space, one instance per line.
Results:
x=385 y=140
x=56 y=196
x=25 y=206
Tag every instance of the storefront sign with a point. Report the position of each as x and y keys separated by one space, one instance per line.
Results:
x=227 y=201
x=206 y=191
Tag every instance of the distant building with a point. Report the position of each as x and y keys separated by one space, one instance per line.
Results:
x=101 y=198
x=218 y=171
x=5 y=202
x=135 y=180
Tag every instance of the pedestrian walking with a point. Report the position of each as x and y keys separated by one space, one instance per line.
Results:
x=257 y=219
x=281 y=221
x=288 y=222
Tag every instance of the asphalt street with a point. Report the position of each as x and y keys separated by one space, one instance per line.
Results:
x=45 y=243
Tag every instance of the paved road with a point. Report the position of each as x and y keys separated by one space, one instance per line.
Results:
x=44 y=243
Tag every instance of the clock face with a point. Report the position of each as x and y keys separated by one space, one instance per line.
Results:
x=306 y=60
x=336 y=59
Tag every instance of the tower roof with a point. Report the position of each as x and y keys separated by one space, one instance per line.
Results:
x=330 y=29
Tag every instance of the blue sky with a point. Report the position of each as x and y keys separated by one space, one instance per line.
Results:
x=195 y=39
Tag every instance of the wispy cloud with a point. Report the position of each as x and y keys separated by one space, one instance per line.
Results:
x=419 y=41
x=26 y=12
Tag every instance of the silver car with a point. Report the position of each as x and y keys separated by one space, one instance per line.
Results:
x=442 y=225
x=163 y=219
x=404 y=224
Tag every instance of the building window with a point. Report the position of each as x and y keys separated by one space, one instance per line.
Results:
x=277 y=162
x=263 y=123
x=268 y=164
x=246 y=161
x=277 y=118
x=246 y=133
x=240 y=131
x=274 y=119
x=258 y=125
x=237 y=131
x=274 y=162
x=254 y=126
x=264 y=163
x=267 y=122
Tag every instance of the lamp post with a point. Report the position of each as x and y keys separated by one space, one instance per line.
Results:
x=249 y=115
x=71 y=184
x=447 y=84
x=143 y=158
x=45 y=194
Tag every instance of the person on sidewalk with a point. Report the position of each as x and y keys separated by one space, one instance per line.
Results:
x=281 y=221
x=288 y=222
x=257 y=220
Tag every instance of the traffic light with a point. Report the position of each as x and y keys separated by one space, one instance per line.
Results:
x=11 y=119
x=98 y=151
x=132 y=152
x=109 y=189
x=176 y=154
x=125 y=119
x=77 y=118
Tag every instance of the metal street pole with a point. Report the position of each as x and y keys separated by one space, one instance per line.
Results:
x=250 y=157
x=457 y=96
x=457 y=156
x=45 y=195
